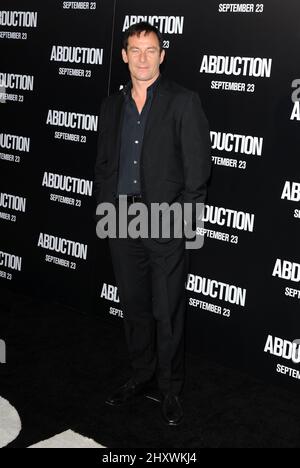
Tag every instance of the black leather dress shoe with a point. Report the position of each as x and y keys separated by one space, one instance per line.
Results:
x=126 y=392
x=171 y=409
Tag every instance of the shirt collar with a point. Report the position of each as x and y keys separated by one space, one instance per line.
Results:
x=150 y=90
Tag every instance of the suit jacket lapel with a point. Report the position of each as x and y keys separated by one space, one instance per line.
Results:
x=157 y=110
x=118 y=120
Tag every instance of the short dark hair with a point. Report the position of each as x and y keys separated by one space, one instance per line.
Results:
x=136 y=30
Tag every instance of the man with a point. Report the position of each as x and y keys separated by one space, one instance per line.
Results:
x=154 y=147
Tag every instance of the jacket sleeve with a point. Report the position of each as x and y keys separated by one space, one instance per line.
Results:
x=195 y=150
x=101 y=158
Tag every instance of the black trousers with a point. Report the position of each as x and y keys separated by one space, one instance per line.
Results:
x=151 y=277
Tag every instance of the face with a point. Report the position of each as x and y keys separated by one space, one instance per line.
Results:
x=143 y=56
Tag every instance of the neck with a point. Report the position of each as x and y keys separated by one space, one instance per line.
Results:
x=139 y=88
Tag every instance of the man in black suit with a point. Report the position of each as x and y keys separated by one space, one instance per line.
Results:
x=154 y=147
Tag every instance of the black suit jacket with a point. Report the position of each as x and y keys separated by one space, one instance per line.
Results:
x=175 y=159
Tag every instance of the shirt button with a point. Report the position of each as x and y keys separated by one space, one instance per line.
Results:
x=135 y=181
x=136 y=142
x=134 y=162
x=139 y=122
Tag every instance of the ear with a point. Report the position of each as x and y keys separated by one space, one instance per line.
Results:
x=162 y=56
x=124 y=56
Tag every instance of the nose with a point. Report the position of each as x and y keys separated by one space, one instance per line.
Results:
x=143 y=56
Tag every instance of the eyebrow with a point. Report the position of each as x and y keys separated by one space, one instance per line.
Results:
x=136 y=47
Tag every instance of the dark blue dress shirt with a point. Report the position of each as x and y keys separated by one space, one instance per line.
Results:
x=132 y=135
